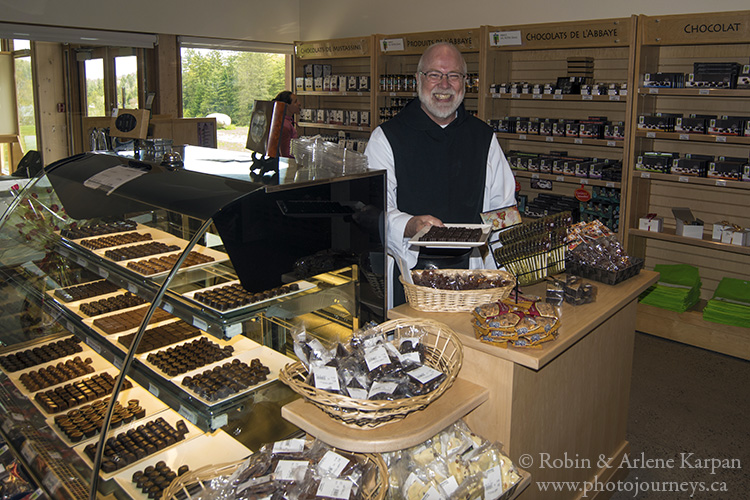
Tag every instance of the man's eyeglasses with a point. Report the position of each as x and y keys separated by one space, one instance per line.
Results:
x=437 y=76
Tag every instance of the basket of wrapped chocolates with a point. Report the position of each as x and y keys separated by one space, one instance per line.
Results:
x=294 y=468
x=456 y=290
x=382 y=374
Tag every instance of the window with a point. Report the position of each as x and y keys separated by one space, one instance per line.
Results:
x=227 y=77
x=19 y=128
x=109 y=80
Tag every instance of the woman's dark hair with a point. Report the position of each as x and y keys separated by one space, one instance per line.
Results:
x=285 y=96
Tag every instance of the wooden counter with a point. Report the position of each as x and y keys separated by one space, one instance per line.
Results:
x=568 y=400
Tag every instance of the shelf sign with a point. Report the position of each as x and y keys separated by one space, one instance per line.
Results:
x=391 y=45
x=348 y=47
x=504 y=38
x=581 y=194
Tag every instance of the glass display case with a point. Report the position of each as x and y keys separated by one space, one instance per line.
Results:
x=177 y=287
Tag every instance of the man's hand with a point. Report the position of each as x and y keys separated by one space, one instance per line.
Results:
x=418 y=222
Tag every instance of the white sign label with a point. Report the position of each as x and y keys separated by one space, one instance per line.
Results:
x=103 y=273
x=645 y=175
x=200 y=324
x=381 y=387
x=682 y=178
x=391 y=44
x=153 y=389
x=577 y=141
x=376 y=356
x=424 y=374
x=188 y=414
x=289 y=446
x=493 y=483
x=501 y=38
x=290 y=470
x=334 y=488
x=233 y=330
x=326 y=378
x=550 y=139
x=332 y=464
x=112 y=178
x=219 y=421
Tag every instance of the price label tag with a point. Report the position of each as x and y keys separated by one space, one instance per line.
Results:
x=103 y=273
x=493 y=482
x=55 y=455
x=432 y=494
x=577 y=140
x=332 y=464
x=721 y=138
x=96 y=347
x=153 y=390
x=118 y=363
x=233 y=330
x=560 y=178
x=515 y=96
x=424 y=374
x=51 y=482
x=645 y=175
x=381 y=387
x=167 y=307
x=684 y=137
x=28 y=452
x=376 y=356
x=200 y=324
x=449 y=485
x=392 y=94
x=334 y=488
x=360 y=94
x=611 y=144
x=7 y=426
x=81 y=261
x=327 y=378
x=219 y=421
x=132 y=289
x=557 y=97
x=584 y=181
x=537 y=96
x=534 y=176
x=188 y=414
x=653 y=91
x=683 y=178
x=609 y=184
x=550 y=139
x=721 y=183
x=290 y=470
x=704 y=91
x=497 y=96
x=587 y=98
x=18 y=417
x=651 y=135
x=69 y=326
x=289 y=446
x=614 y=98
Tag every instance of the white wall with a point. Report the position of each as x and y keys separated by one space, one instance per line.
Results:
x=323 y=19
x=257 y=20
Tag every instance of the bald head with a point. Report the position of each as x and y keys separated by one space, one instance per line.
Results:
x=441 y=50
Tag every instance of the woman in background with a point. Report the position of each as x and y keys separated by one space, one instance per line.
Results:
x=289 y=131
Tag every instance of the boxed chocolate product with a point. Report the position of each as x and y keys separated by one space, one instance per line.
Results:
x=582 y=168
x=559 y=127
x=569 y=167
x=299 y=83
x=686 y=224
x=327 y=70
x=591 y=129
x=309 y=83
x=691 y=164
x=321 y=116
x=352 y=83
x=545 y=126
x=558 y=166
x=318 y=83
x=664 y=80
x=655 y=161
x=527 y=126
x=663 y=122
x=727 y=125
x=746 y=173
x=352 y=117
x=364 y=83
x=614 y=130
x=719 y=229
x=327 y=83
x=308 y=69
x=507 y=125
x=343 y=83
x=534 y=164
x=729 y=170
x=735 y=236
x=545 y=165
x=743 y=79
x=651 y=223
x=364 y=118
x=711 y=80
x=693 y=124
x=572 y=129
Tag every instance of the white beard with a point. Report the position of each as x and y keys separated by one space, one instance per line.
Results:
x=439 y=109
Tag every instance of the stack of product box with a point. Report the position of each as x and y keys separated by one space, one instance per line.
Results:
x=678 y=288
x=730 y=304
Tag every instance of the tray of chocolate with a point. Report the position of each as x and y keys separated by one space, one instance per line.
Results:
x=232 y=296
x=131 y=443
x=194 y=354
x=127 y=320
x=525 y=323
x=83 y=424
x=452 y=236
x=141 y=234
x=103 y=304
x=160 y=265
x=233 y=377
x=158 y=336
x=40 y=377
x=41 y=354
x=149 y=478
x=76 y=393
x=75 y=293
x=76 y=232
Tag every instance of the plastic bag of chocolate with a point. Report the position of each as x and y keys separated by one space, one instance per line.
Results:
x=423 y=380
x=310 y=349
x=491 y=473
x=578 y=292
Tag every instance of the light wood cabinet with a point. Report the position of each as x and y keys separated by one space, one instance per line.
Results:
x=672 y=44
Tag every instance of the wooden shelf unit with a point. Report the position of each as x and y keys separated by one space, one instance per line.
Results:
x=398 y=54
x=673 y=44
x=538 y=54
x=347 y=57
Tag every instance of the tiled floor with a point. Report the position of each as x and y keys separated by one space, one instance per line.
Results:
x=689 y=410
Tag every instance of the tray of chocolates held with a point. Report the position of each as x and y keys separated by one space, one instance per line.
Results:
x=231 y=296
x=58 y=371
x=130 y=444
x=233 y=377
x=83 y=424
x=194 y=354
x=192 y=455
x=452 y=236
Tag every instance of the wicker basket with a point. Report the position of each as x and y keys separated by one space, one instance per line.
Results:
x=193 y=482
x=424 y=298
x=444 y=352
